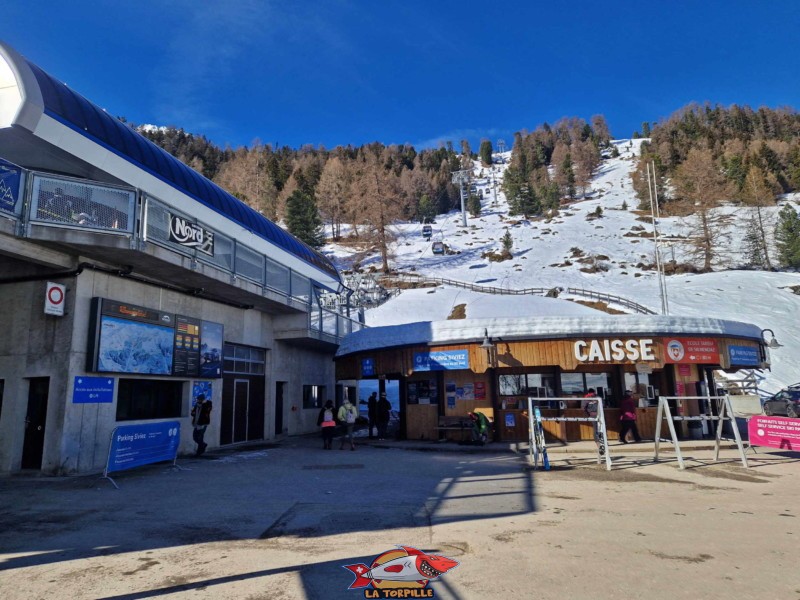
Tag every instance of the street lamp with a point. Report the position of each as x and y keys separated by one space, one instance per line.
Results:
x=773 y=342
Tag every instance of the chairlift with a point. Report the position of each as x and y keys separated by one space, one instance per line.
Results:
x=437 y=248
x=427 y=232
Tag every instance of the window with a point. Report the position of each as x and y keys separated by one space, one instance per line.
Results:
x=530 y=384
x=244 y=360
x=313 y=396
x=149 y=399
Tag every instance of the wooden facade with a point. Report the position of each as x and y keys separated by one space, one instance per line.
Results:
x=427 y=396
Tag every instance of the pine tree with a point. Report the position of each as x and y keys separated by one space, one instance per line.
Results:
x=787 y=237
x=474 y=205
x=426 y=210
x=303 y=220
x=486 y=153
x=646 y=129
x=508 y=242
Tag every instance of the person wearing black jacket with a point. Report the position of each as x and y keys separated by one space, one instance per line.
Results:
x=382 y=416
x=201 y=417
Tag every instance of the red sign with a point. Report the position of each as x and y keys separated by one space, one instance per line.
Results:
x=691 y=350
x=775 y=432
x=684 y=370
x=480 y=390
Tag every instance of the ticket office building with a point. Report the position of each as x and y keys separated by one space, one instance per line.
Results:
x=448 y=369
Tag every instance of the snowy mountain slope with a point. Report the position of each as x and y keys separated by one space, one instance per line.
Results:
x=548 y=253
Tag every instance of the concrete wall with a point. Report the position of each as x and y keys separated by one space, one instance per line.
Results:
x=77 y=435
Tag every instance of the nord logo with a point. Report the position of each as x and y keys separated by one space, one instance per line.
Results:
x=186 y=233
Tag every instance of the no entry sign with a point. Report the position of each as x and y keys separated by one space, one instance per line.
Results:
x=54 y=299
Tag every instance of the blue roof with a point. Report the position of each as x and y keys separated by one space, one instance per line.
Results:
x=80 y=114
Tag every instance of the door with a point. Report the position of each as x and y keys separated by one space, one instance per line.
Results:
x=241 y=401
x=279 y=387
x=35 y=420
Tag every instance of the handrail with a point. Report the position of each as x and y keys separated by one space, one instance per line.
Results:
x=388 y=280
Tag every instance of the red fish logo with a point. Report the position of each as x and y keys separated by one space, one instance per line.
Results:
x=405 y=567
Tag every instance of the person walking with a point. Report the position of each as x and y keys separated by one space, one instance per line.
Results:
x=201 y=418
x=372 y=412
x=382 y=416
x=627 y=418
x=326 y=421
x=348 y=414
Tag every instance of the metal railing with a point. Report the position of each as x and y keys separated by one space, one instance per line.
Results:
x=397 y=280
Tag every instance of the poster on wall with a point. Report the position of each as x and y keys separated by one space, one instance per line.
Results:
x=10 y=186
x=469 y=391
x=130 y=339
x=211 y=335
x=186 y=360
x=201 y=387
x=480 y=390
x=412 y=397
x=92 y=390
x=451 y=401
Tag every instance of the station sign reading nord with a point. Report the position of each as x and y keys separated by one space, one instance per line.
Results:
x=190 y=234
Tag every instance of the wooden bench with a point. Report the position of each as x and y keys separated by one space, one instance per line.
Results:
x=463 y=423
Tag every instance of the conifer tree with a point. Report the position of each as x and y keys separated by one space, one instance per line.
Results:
x=787 y=237
x=426 y=210
x=303 y=220
x=508 y=242
x=474 y=205
x=486 y=153
x=646 y=129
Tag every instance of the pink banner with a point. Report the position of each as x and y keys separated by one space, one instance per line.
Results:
x=775 y=432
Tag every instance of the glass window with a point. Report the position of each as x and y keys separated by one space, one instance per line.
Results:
x=313 y=396
x=598 y=382
x=512 y=385
x=148 y=399
x=572 y=384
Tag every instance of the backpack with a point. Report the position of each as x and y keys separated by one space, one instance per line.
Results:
x=350 y=416
x=328 y=416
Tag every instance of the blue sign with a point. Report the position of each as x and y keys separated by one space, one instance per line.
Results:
x=744 y=355
x=367 y=367
x=445 y=360
x=10 y=178
x=88 y=390
x=143 y=444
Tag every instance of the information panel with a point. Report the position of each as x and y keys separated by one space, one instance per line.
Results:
x=774 y=432
x=446 y=360
x=143 y=444
x=91 y=390
x=744 y=355
x=186 y=361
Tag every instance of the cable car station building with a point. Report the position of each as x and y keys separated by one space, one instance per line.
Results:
x=449 y=368
x=130 y=284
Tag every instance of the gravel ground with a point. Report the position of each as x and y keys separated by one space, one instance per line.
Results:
x=280 y=522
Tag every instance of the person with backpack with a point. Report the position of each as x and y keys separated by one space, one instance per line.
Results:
x=201 y=418
x=328 y=424
x=348 y=414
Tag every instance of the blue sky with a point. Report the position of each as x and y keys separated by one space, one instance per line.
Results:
x=338 y=72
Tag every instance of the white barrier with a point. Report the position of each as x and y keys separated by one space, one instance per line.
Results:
x=724 y=412
x=536 y=448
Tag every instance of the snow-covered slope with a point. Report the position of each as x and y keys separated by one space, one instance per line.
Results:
x=548 y=253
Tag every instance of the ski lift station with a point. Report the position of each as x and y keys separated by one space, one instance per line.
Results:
x=132 y=284
x=446 y=369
